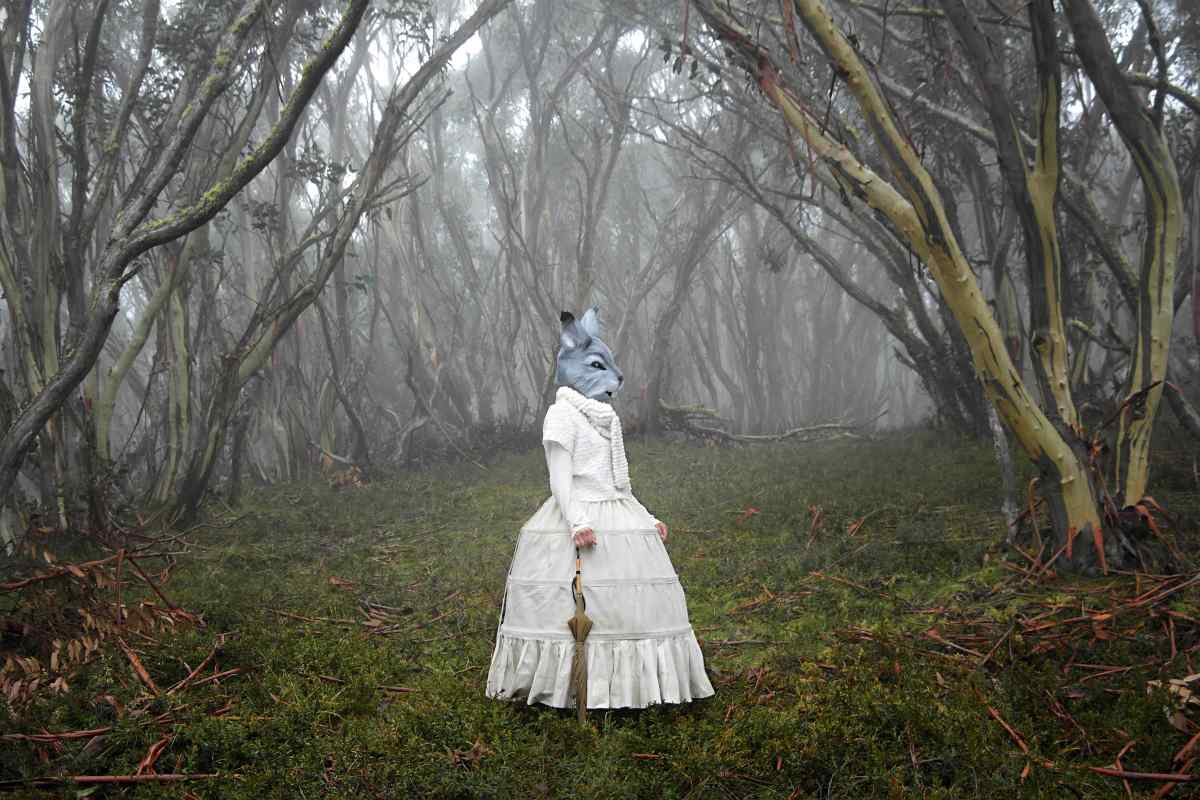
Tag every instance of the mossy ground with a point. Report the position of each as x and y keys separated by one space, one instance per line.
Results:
x=824 y=688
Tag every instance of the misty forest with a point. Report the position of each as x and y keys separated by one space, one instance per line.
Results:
x=901 y=297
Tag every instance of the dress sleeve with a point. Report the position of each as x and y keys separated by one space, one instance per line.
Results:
x=558 y=461
x=559 y=427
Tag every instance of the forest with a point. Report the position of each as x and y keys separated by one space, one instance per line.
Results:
x=903 y=295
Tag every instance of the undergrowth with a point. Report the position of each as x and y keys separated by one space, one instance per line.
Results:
x=351 y=633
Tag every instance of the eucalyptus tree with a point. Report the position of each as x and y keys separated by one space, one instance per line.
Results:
x=879 y=274
x=141 y=127
x=875 y=160
x=80 y=233
x=375 y=184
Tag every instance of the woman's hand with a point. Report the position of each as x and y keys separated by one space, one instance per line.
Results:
x=585 y=537
x=662 y=531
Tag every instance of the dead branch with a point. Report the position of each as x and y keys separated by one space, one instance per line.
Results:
x=702 y=422
x=1172 y=777
x=86 y=780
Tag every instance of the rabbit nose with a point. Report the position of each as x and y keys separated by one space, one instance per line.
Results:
x=620 y=380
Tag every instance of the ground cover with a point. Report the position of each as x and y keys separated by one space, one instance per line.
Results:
x=866 y=636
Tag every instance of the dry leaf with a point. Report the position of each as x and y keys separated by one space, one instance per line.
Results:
x=1182 y=696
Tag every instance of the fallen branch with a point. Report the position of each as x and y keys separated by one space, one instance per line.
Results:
x=138 y=667
x=146 y=765
x=192 y=675
x=1016 y=737
x=70 y=569
x=808 y=433
x=1171 y=777
x=50 y=738
x=85 y=780
x=860 y=587
x=687 y=419
x=332 y=621
x=995 y=647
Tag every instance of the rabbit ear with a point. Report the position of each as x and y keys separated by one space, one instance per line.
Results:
x=573 y=335
x=591 y=321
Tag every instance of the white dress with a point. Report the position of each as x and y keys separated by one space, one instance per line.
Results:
x=641 y=649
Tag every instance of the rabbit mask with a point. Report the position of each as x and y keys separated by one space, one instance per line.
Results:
x=584 y=361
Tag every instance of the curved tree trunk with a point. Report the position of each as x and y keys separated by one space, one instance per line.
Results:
x=914 y=207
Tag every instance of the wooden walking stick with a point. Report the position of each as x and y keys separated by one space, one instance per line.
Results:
x=580 y=624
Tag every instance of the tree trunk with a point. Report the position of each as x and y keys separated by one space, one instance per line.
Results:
x=134 y=235
x=257 y=351
x=700 y=240
x=916 y=210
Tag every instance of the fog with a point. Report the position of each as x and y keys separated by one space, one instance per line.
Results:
x=201 y=289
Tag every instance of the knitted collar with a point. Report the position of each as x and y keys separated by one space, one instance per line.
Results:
x=603 y=418
x=599 y=414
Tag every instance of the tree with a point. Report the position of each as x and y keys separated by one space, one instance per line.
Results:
x=35 y=208
x=269 y=326
x=903 y=193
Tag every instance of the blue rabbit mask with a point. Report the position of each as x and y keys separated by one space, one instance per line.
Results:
x=584 y=361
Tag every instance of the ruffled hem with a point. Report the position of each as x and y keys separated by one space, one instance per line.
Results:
x=622 y=673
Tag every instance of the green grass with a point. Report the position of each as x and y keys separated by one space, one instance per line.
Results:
x=824 y=688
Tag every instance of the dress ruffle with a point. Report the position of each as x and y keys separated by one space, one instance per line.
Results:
x=641 y=650
x=622 y=673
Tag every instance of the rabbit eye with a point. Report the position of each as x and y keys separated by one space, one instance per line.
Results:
x=596 y=365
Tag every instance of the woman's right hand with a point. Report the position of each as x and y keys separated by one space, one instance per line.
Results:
x=585 y=537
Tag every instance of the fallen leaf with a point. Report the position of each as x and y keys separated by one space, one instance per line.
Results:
x=749 y=512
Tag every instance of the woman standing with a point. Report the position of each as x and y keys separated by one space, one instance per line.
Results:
x=641 y=649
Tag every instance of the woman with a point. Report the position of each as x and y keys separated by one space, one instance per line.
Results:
x=641 y=649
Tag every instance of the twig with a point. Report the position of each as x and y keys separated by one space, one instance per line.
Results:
x=70 y=569
x=852 y=584
x=117 y=581
x=1155 y=596
x=1016 y=737
x=1136 y=396
x=996 y=647
x=151 y=583
x=1168 y=787
x=172 y=777
x=934 y=635
x=138 y=667
x=334 y=621
x=191 y=675
x=1187 y=748
x=1173 y=777
x=48 y=738
x=380 y=687
x=218 y=676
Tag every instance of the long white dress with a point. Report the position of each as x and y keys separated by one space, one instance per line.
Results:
x=641 y=650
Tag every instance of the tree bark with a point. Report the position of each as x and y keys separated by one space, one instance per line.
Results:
x=134 y=235
x=1151 y=154
x=255 y=354
x=914 y=206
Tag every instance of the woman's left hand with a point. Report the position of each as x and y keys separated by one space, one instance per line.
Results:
x=662 y=530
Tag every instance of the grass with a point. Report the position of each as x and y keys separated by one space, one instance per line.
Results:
x=827 y=682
